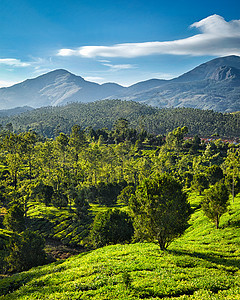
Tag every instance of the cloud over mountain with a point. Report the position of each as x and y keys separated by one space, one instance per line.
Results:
x=217 y=37
x=13 y=62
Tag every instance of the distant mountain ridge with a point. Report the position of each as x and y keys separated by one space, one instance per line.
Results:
x=212 y=85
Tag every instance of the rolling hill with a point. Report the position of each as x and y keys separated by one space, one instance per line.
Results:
x=202 y=264
x=49 y=121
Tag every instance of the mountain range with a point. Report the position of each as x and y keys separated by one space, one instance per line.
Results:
x=213 y=85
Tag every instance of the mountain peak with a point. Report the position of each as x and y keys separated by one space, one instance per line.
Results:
x=208 y=69
x=212 y=85
x=58 y=72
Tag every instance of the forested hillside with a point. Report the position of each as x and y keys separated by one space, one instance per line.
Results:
x=49 y=121
x=102 y=187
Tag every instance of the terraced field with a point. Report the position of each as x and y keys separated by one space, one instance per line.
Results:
x=203 y=264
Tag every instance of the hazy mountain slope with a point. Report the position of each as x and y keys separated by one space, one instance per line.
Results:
x=212 y=85
x=54 y=88
x=14 y=111
x=207 y=70
x=221 y=95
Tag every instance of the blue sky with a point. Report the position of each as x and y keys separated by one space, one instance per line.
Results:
x=114 y=41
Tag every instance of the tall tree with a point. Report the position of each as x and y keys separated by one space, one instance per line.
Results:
x=215 y=202
x=232 y=169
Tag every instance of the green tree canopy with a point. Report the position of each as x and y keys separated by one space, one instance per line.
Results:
x=111 y=227
x=200 y=182
x=215 y=202
x=25 y=251
x=14 y=219
x=160 y=210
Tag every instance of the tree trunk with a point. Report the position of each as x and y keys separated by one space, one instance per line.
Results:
x=162 y=243
x=217 y=221
x=233 y=187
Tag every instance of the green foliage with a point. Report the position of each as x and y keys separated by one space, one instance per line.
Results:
x=160 y=210
x=215 y=202
x=200 y=182
x=103 y=114
x=63 y=225
x=214 y=174
x=127 y=280
x=81 y=204
x=174 y=139
x=111 y=227
x=125 y=195
x=43 y=192
x=104 y=193
x=233 y=184
x=14 y=219
x=56 y=180
x=202 y=264
x=59 y=199
x=25 y=251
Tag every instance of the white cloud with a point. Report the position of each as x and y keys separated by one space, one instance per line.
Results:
x=41 y=70
x=119 y=67
x=104 y=61
x=217 y=38
x=13 y=62
x=94 y=79
x=67 y=52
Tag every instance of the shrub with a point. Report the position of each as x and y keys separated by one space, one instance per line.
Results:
x=25 y=251
x=14 y=219
x=111 y=227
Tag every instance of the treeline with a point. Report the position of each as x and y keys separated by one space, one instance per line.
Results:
x=122 y=166
x=50 y=121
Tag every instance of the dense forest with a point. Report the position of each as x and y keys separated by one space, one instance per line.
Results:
x=50 y=121
x=88 y=169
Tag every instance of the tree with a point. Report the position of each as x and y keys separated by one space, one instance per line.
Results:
x=111 y=227
x=29 y=140
x=43 y=192
x=125 y=195
x=175 y=139
x=14 y=219
x=233 y=184
x=77 y=141
x=214 y=174
x=25 y=251
x=232 y=168
x=120 y=130
x=81 y=204
x=12 y=143
x=215 y=202
x=107 y=192
x=200 y=182
x=160 y=210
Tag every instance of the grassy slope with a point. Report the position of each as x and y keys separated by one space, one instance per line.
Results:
x=56 y=223
x=60 y=224
x=202 y=264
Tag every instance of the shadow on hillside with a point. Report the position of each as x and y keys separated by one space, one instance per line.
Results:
x=213 y=258
x=234 y=223
x=40 y=224
x=146 y=293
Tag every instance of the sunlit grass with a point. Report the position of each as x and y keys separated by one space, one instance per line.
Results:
x=202 y=264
